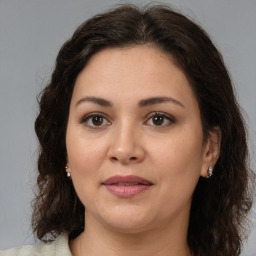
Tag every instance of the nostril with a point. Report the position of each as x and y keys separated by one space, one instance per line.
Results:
x=114 y=158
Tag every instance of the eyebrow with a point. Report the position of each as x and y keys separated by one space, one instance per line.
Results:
x=96 y=100
x=142 y=103
x=158 y=100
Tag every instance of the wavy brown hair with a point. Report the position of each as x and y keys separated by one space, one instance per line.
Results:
x=220 y=204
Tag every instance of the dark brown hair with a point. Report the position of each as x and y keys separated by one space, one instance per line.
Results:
x=220 y=204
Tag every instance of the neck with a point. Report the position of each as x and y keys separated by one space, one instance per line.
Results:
x=98 y=240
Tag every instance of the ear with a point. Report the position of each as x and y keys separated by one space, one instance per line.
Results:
x=211 y=150
x=67 y=165
x=67 y=168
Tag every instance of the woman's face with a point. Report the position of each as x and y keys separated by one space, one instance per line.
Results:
x=134 y=140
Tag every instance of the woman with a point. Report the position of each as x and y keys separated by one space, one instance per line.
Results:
x=143 y=147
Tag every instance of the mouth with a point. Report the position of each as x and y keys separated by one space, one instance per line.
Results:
x=126 y=186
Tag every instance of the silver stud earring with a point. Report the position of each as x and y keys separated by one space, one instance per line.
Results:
x=68 y=173
x=210 y=171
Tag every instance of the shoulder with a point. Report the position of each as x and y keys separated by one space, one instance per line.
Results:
x=59 y=247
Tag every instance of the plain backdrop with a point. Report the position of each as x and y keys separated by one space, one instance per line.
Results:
x=31 y=33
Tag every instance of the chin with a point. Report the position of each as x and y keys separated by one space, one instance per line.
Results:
x=128 y=228
x=127 y=220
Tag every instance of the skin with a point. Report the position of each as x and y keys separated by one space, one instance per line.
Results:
x=171 y=154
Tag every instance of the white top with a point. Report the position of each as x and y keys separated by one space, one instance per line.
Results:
x=59 y=247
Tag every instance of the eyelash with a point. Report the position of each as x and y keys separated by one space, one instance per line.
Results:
x=85 y=120
x=163 y=115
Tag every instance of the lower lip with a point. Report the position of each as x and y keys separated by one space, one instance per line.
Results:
x=126 y=191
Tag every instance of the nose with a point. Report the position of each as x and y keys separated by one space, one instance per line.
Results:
x=126 y=145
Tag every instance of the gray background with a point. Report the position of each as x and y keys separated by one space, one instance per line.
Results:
x=31 y=33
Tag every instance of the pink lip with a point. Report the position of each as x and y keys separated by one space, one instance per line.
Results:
x=126 y=186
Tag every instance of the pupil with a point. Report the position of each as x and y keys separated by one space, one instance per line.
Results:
x=97 y=120
x=158 y=120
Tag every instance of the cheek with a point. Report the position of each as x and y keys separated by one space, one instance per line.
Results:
x=179 y=159
x=85 y=158
x=84 y=154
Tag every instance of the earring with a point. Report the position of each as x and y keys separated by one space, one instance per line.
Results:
x=68 y=173
x=210 y=171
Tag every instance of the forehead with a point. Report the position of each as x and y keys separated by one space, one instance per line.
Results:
x=132 y=72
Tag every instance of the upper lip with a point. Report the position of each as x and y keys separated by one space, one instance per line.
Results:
x=126 y=179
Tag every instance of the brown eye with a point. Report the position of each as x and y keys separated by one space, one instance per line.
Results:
x=158 y=120
x=95 y=121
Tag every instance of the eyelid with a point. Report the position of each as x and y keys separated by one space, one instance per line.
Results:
x=86 y=117
x=171 y=118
